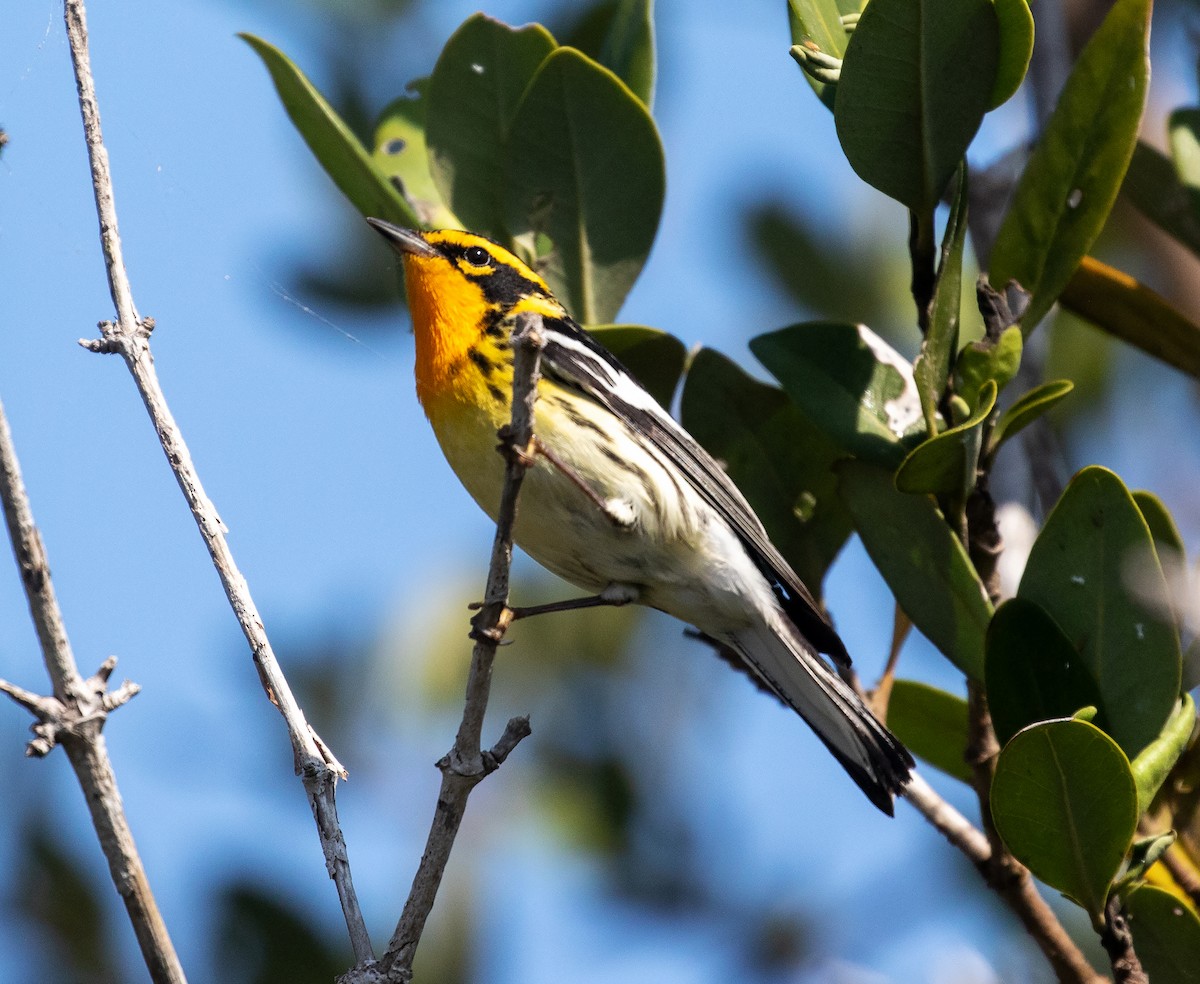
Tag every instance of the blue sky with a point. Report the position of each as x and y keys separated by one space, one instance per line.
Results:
x=303 y=423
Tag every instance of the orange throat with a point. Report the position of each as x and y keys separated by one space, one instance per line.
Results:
x=447 y=313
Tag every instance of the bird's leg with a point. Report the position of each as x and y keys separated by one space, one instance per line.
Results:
x=617 y=510
x=615 y=595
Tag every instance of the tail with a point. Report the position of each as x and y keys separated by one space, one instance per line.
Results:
x=791 y=669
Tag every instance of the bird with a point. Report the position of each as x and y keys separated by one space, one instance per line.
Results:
x=620 y=500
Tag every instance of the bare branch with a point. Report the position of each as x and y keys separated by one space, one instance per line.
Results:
x=466 y=764
x=74 y=717
x=129 y=337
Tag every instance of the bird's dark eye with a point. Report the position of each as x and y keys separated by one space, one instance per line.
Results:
x=477 y=256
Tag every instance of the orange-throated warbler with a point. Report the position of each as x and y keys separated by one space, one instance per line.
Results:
x=620 y=500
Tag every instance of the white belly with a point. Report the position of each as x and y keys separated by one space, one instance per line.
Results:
x=657 y=535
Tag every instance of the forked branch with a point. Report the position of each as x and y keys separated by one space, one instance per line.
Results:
x=74 y=716
x=467 y=763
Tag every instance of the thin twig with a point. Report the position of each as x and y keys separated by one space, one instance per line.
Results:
x=467 y=764
x=129 y=336
x=74 y=717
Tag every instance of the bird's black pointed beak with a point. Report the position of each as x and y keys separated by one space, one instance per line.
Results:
x=403 y=240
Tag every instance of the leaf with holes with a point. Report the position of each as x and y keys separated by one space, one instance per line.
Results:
x=401 y=155
x=333 y=144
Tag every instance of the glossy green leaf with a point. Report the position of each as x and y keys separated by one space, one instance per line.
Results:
x=1073 y=176
x=1166 y=935
x=932 y=367
x=1154 y=762
x=474 y=92
x=946 y=464
x=1153 y=185
x=1016 y=47
x=985 y=360
x=917 y=78
x=598 y=208
x=654 y=357
x=922 y=562
x=1183 y=129
x=816 y=27
x=1027 y=408
x=401 y=155
x=1033 y=672
x=782 y=463
x=333 y=144
x=850 y=383
x=1064 y=802
x=932 y=724
x=1077 y=572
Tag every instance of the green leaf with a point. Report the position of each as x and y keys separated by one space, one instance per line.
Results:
x=1076 y=571
x=401 y=155
x=850 y=383
x=1016 y=48
x=1183 y=129
x=654 y=357
x=619 y=34
x=921 y=560
x=474 y=92
x=333 y=144
x=1155 y=761
x=816 y=27
x=1064 y=802
x=983 y=360
x=628 y=48
x=1167 y=538
x=782 y=463
x=1027 y=408
x=585 y=169
x=1167 y=935
x=1072 y=178
x=917 y=78
x=932 y=724
x=1033 y=672
x=932 y=367
x=1143 y=854
x=946 y=464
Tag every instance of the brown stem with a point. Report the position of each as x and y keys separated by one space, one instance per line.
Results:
x=922 y=249
x=466 y=764
x=129 y=336
x=1118 y=944
x=74 y=717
